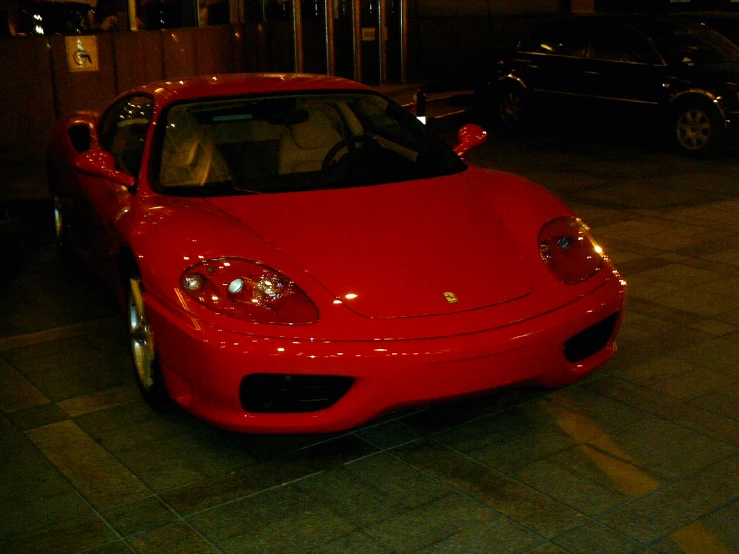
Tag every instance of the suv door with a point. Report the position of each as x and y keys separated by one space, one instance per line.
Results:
x=549 y=60
x=626 y=70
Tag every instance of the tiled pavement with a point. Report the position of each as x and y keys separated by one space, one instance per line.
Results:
x=641 y=457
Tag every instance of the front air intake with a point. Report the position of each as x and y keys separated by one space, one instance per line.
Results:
x=591 y=340
x=282 y=393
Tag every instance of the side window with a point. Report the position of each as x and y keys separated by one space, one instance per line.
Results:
x=560 y=40
x=622 y=44
x=123 y=131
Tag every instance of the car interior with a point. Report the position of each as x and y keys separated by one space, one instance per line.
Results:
x=247 y=141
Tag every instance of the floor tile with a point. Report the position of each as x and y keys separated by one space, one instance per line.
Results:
x=606 y=413
x=16 y=392
x=176 y=537
x=715 y=327
x=307 y=530
x=116 y=547
x=182 y=459
x=90 y=468
x=639 y=327
x=722 y=402
x=658 y=448
x=235 y=485
x=716 y=532
x=354 y=543
x=686 y=415
x=732 y=317
x=100 y=400
x=661 y=312
x=66 y=538
x=727 y=286
x=675 y=378
x=42 y=512
x=649 y=288
x=486 y=536
x=573 y=478
x=530 y=443
x=388 y=434
x=719 y=354
x=444 y=520
x=727 y=256
x=352 y=490
x=510 y=497
x=547 y=548
x=677 y=505
x=248 y=516
x=139 y=516
x=507 y=429
x=58 y=383
x=699 y=301
x=37 y=416
x=595 y=538
x=641 y=266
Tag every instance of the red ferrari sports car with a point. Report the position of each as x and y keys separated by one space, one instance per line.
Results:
x=297 y=253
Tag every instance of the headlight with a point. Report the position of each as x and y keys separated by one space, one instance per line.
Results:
x=569 y=251
x=249 y=291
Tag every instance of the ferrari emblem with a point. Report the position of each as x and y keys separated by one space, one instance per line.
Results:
x=451 y=297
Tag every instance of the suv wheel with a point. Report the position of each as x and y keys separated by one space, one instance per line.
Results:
x=697 y=128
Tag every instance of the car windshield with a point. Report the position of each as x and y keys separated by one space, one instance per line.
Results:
x=696 y=45
x=294 y=143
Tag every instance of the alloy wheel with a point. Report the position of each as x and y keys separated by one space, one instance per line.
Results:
x=58 y=220
x=141 y=336
x=693 y=129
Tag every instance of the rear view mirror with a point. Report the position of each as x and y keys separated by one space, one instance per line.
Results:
x=99 y=163
x=470 y=136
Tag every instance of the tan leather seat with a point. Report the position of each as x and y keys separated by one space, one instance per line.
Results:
x=189 y=156
x=303 y=146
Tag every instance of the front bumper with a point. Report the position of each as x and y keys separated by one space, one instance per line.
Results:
x=205 y=368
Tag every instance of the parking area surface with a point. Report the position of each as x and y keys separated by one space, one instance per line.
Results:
x=643 y=456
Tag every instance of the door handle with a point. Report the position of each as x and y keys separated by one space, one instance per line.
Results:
x=592 y=72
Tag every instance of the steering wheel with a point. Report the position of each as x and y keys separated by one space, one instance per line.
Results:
x=352 y=142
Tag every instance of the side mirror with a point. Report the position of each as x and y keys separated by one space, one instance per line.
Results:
x=99 y=163
x=470 y=136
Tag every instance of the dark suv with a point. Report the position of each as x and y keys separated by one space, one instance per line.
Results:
x=677 y=72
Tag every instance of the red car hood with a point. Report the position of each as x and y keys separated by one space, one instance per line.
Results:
x=399 y=247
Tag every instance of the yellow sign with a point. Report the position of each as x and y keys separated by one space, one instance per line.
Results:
x=451 y=297
x=82 y=53
x=369 y=34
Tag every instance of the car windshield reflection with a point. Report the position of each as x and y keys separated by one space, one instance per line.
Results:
x=293 y=143
x=697 y=46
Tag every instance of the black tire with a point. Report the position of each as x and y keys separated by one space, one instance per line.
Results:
x=146 y=366
x=513 y=107
x=67 y=254
x=696 y=128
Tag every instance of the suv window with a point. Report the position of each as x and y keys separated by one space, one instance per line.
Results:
x=123 y=131
x=619 y=43
x=567 y=39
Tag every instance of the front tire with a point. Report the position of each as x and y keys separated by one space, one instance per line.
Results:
x=512 y=108
x=146 y=366
x=66 y=252
x=697 y=128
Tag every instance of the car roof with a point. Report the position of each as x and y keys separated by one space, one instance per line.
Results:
x=649 y=24
x=237 y=84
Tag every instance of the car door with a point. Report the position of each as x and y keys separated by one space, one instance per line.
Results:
x=551 y=61
x=122 y=133
x=627 y=74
